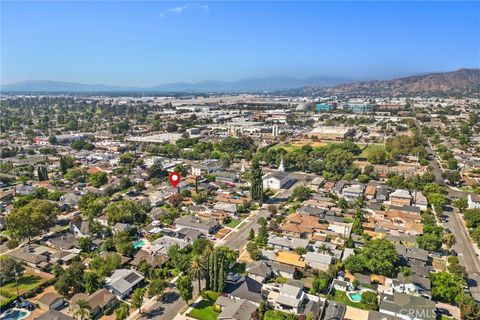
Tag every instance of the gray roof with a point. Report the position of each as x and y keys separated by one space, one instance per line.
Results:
x=318 y=258
x=247 y=289
x=288 y=301
x=425 y=308
x=334 y=311
x=53 y=315
x=292 y=288
x=280 y=175
x=123 y=280
x=375 y=315
x=191 y=221
x=239 y=309
x=289 y=242
x=401 y=193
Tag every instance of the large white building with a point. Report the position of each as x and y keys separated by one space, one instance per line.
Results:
x=275 y=180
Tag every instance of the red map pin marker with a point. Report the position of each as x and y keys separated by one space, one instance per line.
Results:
x=174 y=178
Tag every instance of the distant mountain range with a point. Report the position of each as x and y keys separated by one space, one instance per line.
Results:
x=245 y=85
x=463 y=82
x=460 y=82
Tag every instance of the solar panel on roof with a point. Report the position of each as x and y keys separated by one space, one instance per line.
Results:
x=132 y=277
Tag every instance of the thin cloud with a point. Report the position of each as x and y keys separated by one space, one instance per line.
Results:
x=183 y=8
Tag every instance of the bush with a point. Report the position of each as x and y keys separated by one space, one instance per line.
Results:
x=12 y=244
x=210 y=295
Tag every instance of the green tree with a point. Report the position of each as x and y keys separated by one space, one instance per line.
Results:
x=197 y=270
x=320 y=283
x=122 y=312
x=469 y=307
x=137 y=299
x=377 y=156
x=92 y=282
x=446 y=287
x=125 y=211
x=380 y=256
x=461 y=204
x=98 y=179
x=82 y=310
x=156 y=287
x=430 y=241
x=301 y=193
x=42 y=173
x=8 y=268
x=370 y=300
x=256 y=181
x=184 y=286
x=32 y=219
x=66 y=162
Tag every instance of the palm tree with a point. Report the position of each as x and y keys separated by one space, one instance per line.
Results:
x=197 y=270
x=82 y=310
x=449 y=240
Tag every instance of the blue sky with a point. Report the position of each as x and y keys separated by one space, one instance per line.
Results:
x=149 y=43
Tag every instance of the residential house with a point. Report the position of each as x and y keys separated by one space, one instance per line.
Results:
x=98 y=301
x=80 y=227
x=370 y=191
x=290 y=258
x=53 y=315
x=473 y=201
x=245 y=288
x=318 y=261
x=302 y=226
x=33 y=255
x=204 y=226
x=290 y=297
x=334 y=310
x=236 y=309
x=286 y=243
x=420 y=201
x=401 y=197
x=123 y=281
x=50 y=300
x=408 y=307
x=207 y=166
x=317 y=182
x=353 y=192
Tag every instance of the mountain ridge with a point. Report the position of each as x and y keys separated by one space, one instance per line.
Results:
x=463 y=81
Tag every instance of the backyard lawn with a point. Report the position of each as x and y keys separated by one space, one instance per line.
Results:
x=204 y=310
x=26 y=282
x=341 y=296
x=233 y=223
x=369 y=149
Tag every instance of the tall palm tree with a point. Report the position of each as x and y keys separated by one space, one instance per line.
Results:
x=82 y=310
x=197 y=270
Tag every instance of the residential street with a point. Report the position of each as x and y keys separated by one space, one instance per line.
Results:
x=467 y=253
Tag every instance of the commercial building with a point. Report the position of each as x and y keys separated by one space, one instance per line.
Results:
x=326 y=133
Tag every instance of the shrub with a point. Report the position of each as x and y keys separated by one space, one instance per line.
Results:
x=210 y=295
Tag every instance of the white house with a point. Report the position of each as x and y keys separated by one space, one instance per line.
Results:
x=275 y=180
x=318 y=261
x=473 y=201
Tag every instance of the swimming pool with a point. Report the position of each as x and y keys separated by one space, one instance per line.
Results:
x=355 y=296
x=138 y=244
x=15 y=314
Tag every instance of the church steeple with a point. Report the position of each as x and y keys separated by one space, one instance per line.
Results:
x=281 y=167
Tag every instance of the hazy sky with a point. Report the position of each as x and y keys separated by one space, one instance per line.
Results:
x=148 y=43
